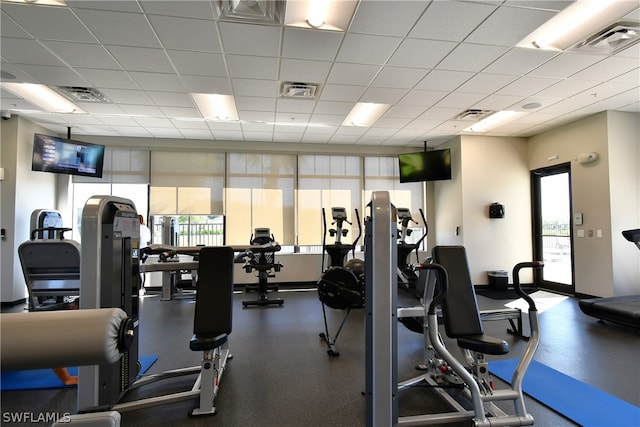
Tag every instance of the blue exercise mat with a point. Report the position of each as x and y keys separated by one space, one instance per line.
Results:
x=580 y=402
x=46 y=378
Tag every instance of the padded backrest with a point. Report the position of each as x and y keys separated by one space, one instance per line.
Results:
x=214 y=297
x=460 y=307
x=50 y=260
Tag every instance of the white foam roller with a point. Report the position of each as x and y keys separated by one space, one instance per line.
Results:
x=54 y=339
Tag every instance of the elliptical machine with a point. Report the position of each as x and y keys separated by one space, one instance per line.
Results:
x=341 y=285
x=407 y=277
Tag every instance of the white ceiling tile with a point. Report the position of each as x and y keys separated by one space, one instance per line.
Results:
x=258 y=136
x=254 y=87
x=132 y=131
x=632 y=76
x=99 y=108
x=227 y=135
x=255 y=104
x=183 y=118
x=116 y=6
x=421 y=53
x=439 y=113
x=383 y=95
x=118 y=28
x=397 y=77
x=187 y=34
x=424 y=125
x=565 y=65
x=184 y=8
x=248 y=39
x=125 y=96
x=422 y=98
x=287 y=105
x=83 y=55
x=386 y=18
x=486 y=83
x=163 y=132
x=253 y=67
x=25 y=51
x=352 y=74
x=405 y=111
x=201 y=84
x=157 y=81
x=8 y=28
x=54 y=76
x=257 y=127
x=507 y=26
x=440 y=80
x=607 y=69
x=527 y=86
x=217 y=125
x=38 y=22
x=256 y=116
x=171 y=99
x=519 y=61
x=142 y=110
x=141 y=59
x=299 y=70
x=310 y=44
x=108 y=78
x=117 y=120
x=328 y=119
x=333 y=108
x=322 y=129
x=198 y=63
x=497 y=102
x=471 y=57
x=367 y=49
x=437 y=22
x=392 y=123
x=12 y=72
x=459 y=100
x=566 y=88
x=345 y=93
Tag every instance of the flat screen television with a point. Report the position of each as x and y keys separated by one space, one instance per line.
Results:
x=425 y=166
x=60 y=155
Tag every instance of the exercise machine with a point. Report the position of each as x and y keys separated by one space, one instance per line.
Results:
x=341 y=285
x=261 y=258
x=109 y=278
x=444 y=297
x=50 y=262
x=623 y=310
x=407 y=276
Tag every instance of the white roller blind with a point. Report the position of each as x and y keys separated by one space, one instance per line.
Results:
x=186 y=183
x=121 y=166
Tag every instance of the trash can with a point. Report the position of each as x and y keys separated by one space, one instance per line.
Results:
x=498 y=280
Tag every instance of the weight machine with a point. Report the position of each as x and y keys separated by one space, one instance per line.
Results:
x=261 y=257
x=407 y=277
x=458 y=308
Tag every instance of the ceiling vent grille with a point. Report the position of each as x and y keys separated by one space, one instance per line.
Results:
x=612 y=39
x=473 y=114
x=83 y=94
x=299 y=90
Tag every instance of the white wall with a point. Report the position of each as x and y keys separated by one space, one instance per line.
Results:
x=602 y=191
x=23 y=192
x=624 y=182
x=486 y=170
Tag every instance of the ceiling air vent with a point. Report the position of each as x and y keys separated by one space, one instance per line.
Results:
x=82 y=94
x=613 y=39
x=299 y=90
x=473 y=114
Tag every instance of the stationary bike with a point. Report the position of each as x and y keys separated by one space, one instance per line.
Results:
x=341 y=285
x=407 y=276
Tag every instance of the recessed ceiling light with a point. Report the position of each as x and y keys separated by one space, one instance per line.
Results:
x=493 y=121
x=332 y=15
x=365 y=114
x=214 y=106
x=43 y=97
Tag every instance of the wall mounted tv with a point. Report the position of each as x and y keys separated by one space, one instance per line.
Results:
x=59 y=155
x=425 y=166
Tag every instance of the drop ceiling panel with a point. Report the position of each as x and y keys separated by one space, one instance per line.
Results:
x=185 y=8
x=188 y=34
x=527 y=86
x=444 y=80
x=486 y=83
x=255 y=87
x=107 y=78
x=398 y=77
x=300 y=70
x=37 y=21
x=383 y=95
x=247 y=39
x=201 y=84
x=198 y=63
x=121 y=96
x=115 y=6
x=519 y=61
x=125 y=29
x=25 y=51
x=421 y=53
x=471 y=57
x=157 y=81
x=367 y=49
x=507 y=26
x=310 y=44
x=565 y=65
x=346 y=93
x=352 y=74
x=83 y=55
x=8 y=28
x=373 y=17
x=55 y=76
x=170 y=99
x=252 y=67
x=437 y=22
x=141 y=59
x=606 y=69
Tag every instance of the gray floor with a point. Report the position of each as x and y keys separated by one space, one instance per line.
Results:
x=280 y=374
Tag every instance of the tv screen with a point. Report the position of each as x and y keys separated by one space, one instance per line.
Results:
x=59 y=155
x=425 y=166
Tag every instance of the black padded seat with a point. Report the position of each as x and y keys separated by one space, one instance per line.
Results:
x=460 y=308
x=484 y=344
x=202 y=344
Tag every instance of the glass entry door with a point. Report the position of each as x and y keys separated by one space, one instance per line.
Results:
x=553 y=240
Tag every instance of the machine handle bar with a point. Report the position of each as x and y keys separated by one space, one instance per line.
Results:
x=516 y=281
